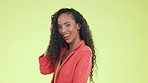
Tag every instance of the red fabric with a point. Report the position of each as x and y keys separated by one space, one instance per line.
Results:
x=74 y=69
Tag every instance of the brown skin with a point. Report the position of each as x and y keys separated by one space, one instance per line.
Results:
x=69 y=31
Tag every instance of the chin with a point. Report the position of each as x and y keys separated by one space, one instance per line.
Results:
x=68 y=41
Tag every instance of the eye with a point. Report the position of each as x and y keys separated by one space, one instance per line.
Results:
x=67 y=25
x=59 y=26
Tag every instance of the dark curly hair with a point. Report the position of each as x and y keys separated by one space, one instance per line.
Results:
x=56 y=42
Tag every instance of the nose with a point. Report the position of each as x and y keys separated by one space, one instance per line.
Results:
x=63 y=29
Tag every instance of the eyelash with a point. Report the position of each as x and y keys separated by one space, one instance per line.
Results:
x=59 y=26
x=66 y=26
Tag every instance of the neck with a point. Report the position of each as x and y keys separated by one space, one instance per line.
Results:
x=73 y=44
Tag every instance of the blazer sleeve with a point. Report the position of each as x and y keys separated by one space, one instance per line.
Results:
x=44 y=65
x=83 y=68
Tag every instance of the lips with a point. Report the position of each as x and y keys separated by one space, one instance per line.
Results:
x=66 y=36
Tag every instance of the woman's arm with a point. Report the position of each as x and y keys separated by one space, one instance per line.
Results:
x=83 y=68
x=44 y=64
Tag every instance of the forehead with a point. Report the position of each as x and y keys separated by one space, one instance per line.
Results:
x=65 y=18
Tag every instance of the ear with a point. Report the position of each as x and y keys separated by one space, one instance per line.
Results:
x=78 y=26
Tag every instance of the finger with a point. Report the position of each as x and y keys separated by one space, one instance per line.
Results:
x=51 y=27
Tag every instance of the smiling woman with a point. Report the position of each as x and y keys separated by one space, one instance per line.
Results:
x=71 y=49
x=69 y=29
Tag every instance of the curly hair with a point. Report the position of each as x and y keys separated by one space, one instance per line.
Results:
x=56 y=42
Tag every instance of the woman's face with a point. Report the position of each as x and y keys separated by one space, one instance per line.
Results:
x=68 y=28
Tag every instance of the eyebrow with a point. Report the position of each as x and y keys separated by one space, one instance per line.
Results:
x=66 y=22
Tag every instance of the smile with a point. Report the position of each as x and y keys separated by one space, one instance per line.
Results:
x=66 y=36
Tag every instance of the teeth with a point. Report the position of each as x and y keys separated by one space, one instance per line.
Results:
x=66 y=35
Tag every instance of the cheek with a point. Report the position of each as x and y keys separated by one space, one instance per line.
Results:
x=59 y=31
x=74 y=33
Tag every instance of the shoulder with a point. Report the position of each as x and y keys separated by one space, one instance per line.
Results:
x=84 y=51
x=85 y=48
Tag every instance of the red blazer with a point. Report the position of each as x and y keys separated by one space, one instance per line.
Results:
x=74 y=69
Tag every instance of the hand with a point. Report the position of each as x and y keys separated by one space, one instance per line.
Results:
x=51 y=27
x=46 y=52
x=48 y=45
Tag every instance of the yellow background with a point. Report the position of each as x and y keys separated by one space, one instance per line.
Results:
x=119 y=27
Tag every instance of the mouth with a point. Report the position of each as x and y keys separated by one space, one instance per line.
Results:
x=66 y=36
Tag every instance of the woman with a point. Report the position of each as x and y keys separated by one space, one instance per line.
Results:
x=70 y=54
